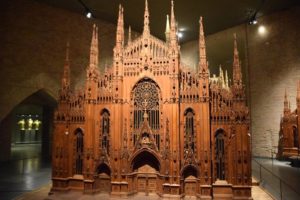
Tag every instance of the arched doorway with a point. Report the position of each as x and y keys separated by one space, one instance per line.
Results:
x=31 y=127
x=145 y=167
x=103 y=181
x=189 y=175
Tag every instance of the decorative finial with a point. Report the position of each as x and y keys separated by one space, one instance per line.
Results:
x=129 y=35
x=167 y=32
x=146 y=19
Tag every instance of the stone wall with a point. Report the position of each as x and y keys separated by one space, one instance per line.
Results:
x=32 y=51
x=33 y=39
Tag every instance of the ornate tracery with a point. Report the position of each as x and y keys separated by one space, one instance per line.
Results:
x=220 y=154
x=189 y=136
x=146 y=100
x=105 y=130
x=78 y=151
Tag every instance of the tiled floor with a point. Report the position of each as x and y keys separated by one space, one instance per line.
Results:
x=25 y=172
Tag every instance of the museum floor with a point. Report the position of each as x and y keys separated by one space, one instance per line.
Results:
x=27 y=176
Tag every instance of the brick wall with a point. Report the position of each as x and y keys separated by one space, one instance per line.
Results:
x=270 y=62
x=274 y=60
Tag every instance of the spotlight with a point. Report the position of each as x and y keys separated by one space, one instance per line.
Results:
x=88 y=14
x=253 y=19
x=180 y=35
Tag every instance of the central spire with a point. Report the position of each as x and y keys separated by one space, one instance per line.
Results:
x=237 y=74
x=203 y=67
x=94 y=48
x=66 y=75
x=173 y=36
x=146 y=19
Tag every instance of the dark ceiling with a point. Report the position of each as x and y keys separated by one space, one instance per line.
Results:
x=218 y=15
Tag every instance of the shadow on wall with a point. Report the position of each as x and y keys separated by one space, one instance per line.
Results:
x=21 y=126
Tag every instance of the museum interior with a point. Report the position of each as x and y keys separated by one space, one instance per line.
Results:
x=150 y=99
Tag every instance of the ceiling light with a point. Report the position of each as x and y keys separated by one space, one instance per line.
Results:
x=261 y=29
x=88 y=14
x=179 y=34
x=253 y=19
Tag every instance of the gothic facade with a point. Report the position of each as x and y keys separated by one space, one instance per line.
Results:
x=289 y=137
x=150 y=124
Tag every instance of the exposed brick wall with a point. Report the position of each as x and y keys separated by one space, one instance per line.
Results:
x=270 y=62
x=274 y=60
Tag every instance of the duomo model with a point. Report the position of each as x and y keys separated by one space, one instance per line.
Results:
x=149 y=124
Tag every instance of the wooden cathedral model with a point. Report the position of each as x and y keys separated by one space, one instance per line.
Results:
x=149 y=124
x=288 y=146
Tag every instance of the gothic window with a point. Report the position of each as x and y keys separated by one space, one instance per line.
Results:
x=189 y=136
x=220 y=154
x=79 y=152
x=296 y=137
x=146 y=99
x=105 y=123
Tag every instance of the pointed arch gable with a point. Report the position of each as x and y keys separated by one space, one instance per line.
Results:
x=103 y=168
x=188 y=170
x=189 y=109
x=104 y=110
x=79 y=129
x=145 y=156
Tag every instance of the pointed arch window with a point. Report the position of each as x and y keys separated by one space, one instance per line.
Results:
x=220 y=154
x=146 y=99
x=105 y=131
x=296 y=137
x=79 y=151
x=189 y=130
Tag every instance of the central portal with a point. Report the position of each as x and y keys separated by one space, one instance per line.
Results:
x=145 y=177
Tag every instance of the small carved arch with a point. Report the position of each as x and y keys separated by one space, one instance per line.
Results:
x=189 y=170
x=145 y=156
x=105 y=110
x=103 y=168
x=189 y=110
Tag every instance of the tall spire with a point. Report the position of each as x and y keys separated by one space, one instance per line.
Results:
x=94 y=48
x=237 y=74
x=66 y=76
x=146 y=20
x=226 y=80
x=129 y=35
x=202 y=48
x=221 y=77
x=173 y=31
x=285 y=103
x=167 y=32
x=120 y=28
